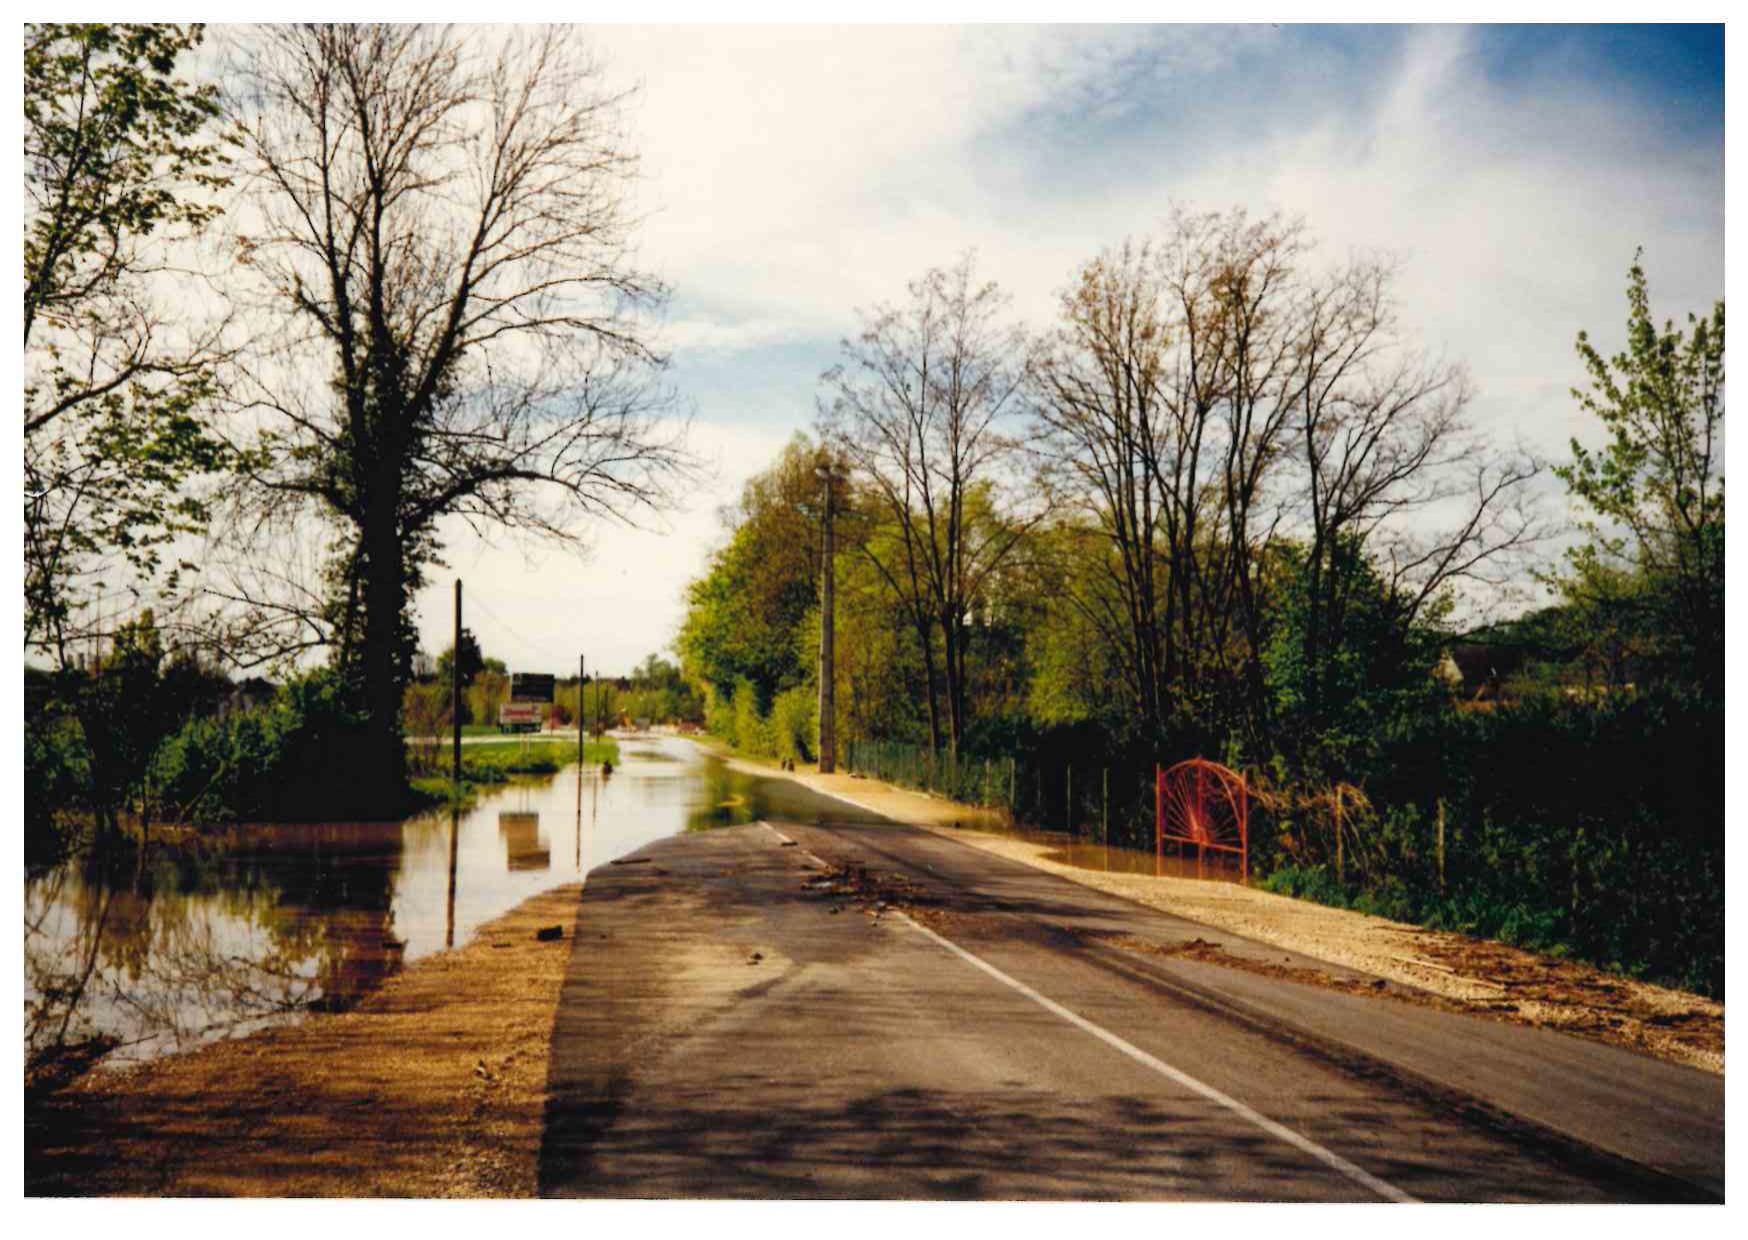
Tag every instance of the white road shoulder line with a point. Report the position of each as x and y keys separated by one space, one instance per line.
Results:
x=1329 y=1158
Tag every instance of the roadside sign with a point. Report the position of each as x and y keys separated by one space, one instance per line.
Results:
x=520 y=717
x=530 y=687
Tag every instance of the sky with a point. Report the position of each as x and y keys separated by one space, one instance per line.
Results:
x=792 y=175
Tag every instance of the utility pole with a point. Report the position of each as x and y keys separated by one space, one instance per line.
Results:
x=828 y=742
x=582 y=667
x=455 y=687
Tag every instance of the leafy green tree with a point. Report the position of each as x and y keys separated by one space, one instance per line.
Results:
x=473 y=660
x=919 y=408
x=117 y=160
x=1656 y=488
x=1332 y=698
x=744 y=616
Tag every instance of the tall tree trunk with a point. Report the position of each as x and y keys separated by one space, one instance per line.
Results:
x=953 y=642
x=384 y=596
x=925 y=636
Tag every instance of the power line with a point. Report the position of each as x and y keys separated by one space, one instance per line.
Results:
x=509 y=628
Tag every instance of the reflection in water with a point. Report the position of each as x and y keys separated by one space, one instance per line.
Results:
x=524 y=847
x=163 y=950
x=454 y=857
x=168 y=949
x=1179 y=860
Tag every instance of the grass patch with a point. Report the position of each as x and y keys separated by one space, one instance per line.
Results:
x=491 y=764
x=535 y=757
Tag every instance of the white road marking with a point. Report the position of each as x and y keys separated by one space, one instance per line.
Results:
x=1329 y=1158
x=798 y=848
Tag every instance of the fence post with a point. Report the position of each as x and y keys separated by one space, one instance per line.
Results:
x=1340 y=870
x=1105 y=809
x=1158 y=821
x=1577 y=848
x=1068 y=801
x=1013 y=794
x=1441 y=846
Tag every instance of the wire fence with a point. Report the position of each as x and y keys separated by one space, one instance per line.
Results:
x=1597 y=831
x=1100 y=803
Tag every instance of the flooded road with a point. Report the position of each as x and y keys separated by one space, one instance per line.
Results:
x=166 y=951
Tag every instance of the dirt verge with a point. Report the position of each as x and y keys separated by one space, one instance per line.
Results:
x=433 y=1087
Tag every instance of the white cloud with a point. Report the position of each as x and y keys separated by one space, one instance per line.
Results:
x=792 y=175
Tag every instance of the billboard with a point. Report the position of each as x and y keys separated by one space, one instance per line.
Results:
x=530 y=687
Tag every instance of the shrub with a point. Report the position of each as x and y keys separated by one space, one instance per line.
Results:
x=794 y=723
x=751 y=732
x=56 y=774
x=297 y=758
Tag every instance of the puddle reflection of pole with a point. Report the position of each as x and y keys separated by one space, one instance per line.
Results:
x=454 y=853
x=582 y=668
x=596 y=779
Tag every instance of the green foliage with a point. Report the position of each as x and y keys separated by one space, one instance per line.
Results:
x=114 y=133
x=57 y=771
x=1651 y=575
x=751 y=731
x=744 y=615
x=115 y=399
x=122 y=718
x=473 y=662
x=1332 y=696
x=794 y=724
x=1590 y=828
x=490 y=766
x=296 y=759
x=482 y=698
x=496 y=762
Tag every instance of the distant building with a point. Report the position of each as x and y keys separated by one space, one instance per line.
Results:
x=249 y=694
x=1477 y=673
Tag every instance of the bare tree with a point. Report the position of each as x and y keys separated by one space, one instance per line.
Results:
x=1245 y=274
x=1204 y=397
x=1096 y=395
x=439 y=232
x=918 y=410
x=1389 y=463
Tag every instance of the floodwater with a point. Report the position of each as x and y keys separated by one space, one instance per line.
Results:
x=1177 y=862
x=163 y=951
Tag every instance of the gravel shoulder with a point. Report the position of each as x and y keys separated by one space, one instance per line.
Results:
x=433 y=1087
x=1453 y=971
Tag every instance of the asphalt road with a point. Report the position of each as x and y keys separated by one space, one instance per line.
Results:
x=830 y=1005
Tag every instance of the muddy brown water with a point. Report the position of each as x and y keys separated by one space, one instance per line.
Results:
x=1116 y=860
x=165 y=952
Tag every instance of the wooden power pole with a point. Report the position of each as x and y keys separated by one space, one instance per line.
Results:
x=455 y=687
x=828 y=741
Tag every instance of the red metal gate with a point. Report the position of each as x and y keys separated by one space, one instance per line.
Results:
x=1202 y=803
